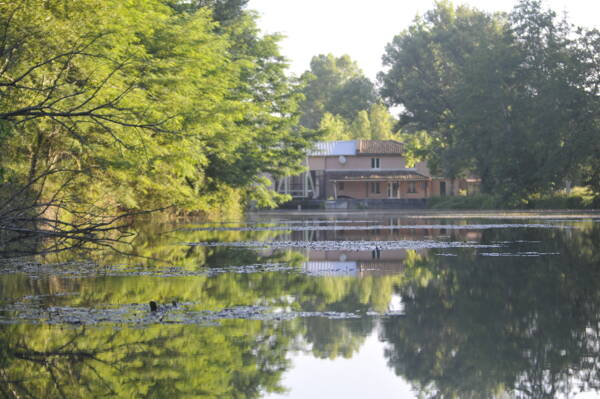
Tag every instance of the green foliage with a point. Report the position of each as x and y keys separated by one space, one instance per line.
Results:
x=476 y=201
x=376 y=123
x=337 y=86
x=342 y=103
x=5 y=132
x=578 y=198
x=145 y=104
x=418 y=147
x=508 y=97
x=224 y=12
x=334 y=127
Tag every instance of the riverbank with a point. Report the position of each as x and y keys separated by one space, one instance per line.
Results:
x=438 y=213
x=579 y=199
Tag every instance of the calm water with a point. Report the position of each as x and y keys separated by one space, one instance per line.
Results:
x=305 y=305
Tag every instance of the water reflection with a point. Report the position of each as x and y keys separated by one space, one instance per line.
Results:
x=237 y=359
x=454 y=323
x=476 y=326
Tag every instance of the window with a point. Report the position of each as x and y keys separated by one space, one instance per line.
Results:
x=342 y=186
x=394 y=190
x=412 y=187
x=375 y=187
x=375 y=163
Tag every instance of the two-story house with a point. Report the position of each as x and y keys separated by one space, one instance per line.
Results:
x=366 y=169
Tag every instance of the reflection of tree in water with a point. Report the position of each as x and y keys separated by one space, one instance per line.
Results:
x=476 y=326
x=239 y=359
x=145 y=243
x=332 y=338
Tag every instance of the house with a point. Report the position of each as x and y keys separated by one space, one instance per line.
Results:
x=367 y=169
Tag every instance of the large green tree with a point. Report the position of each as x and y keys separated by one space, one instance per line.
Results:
x=142 y=104
x=505 y=96
x=342 y=103
x=337 y=86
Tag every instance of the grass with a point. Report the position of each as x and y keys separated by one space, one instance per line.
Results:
x=577 y=198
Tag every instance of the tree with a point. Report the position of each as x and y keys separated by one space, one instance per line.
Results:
x=334 y=128
x=504 y=96
x=427 y=66
x=223 y=11
x=159 y=107
x=361 y=126
x=342 y=102
x=337 y=86
x=382 y=123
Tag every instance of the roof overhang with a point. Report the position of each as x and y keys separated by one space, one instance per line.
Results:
x=390 y=176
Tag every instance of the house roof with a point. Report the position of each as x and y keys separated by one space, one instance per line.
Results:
x=357 y=147
x=379 y=147
x=334 y=148
x=387 y=175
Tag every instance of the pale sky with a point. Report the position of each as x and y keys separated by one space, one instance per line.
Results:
x=362 y=28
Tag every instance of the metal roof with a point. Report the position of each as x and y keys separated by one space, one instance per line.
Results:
x=334 y=148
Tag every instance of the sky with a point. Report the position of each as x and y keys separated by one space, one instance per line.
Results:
x=361 y=29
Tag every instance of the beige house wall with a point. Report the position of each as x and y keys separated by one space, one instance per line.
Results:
x=452 y=188
x=361 y=190
x=353 y=189
x=316 y=163
x=422 y=168
x=356 y=163
x=422 y=190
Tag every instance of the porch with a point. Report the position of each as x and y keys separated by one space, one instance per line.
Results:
x=381 y=185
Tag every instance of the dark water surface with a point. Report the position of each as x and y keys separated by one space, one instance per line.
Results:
x=309 y=305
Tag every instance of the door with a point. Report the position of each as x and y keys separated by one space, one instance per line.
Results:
x=394 y=190
x=443 y=188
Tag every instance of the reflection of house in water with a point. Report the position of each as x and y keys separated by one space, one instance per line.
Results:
x=352 y=262
x=392 y=229
x=356 y=263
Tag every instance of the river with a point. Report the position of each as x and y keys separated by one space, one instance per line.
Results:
x=310 y=305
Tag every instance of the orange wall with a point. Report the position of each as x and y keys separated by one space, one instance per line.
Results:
x=353 y=189
x=359 y=190
x=436 y=186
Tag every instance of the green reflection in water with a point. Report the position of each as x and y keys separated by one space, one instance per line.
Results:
x=475 y=326
x=472 y=325
x=238 y=359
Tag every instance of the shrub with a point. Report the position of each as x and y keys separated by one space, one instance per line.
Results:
x=477 y=201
